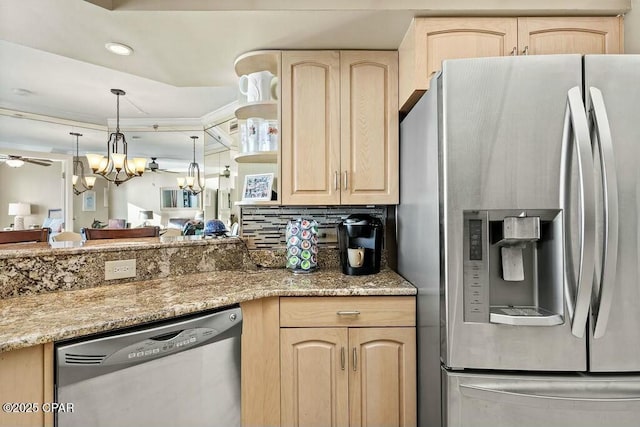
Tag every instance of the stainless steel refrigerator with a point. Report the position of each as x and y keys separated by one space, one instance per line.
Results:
x=519 y=223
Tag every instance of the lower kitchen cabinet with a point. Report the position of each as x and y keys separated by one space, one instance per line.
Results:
x=314 y=377
x=363 y=374
x=26 y=376
x=348 y=377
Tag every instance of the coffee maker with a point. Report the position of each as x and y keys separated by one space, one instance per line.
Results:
x=360 y=243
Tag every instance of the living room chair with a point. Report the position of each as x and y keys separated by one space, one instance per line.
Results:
x=120 y=233
x=19 y=236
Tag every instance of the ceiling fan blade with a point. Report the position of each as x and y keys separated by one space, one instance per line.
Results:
x=39 y=162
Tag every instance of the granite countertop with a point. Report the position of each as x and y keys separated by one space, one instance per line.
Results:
x=33 y=249
x=37 y=319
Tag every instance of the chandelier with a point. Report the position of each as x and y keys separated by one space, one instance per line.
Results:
x=193 y=175
x=80 y=182
x=116 y=167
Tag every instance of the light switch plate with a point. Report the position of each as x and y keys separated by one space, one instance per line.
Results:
x=119 y=269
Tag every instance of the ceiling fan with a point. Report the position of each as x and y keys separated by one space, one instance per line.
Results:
x=17 y=161
x=153 y=166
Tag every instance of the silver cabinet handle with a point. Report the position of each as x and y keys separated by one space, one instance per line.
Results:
x=576 y=128
x=342 y=358
x=602 y=136
x=348 y=313
x=514 y=52
x=346 y=180
x=335 y=180
x=355 y=359
x=526 y=50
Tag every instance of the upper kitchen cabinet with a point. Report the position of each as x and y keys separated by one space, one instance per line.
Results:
x=585 y=35
x=339 y=127
x=369 y=127
x=310 y=127
x=429 y=41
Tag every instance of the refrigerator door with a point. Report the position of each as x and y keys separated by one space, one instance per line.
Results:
x=526 y=400
x=612 y=85
x=503 y=122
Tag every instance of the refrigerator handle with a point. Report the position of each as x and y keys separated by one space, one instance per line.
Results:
x=547 y=397
x=602 y=136
x=576 y=128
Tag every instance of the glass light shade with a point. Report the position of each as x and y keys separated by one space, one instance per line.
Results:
x=140 y=164
x=91 y=181
x=95 y=160
x=102 y=167
x=180 y=182
x=74 y=179
x=118 y=160
x=190 y=181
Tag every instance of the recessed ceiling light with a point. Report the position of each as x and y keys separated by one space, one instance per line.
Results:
x=118 y=48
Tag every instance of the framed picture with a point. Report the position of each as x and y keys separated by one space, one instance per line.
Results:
x=89 y=201
x=257 y=187
x=55 y=214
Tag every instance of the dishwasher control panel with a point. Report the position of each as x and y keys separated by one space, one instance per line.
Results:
x=161 y=346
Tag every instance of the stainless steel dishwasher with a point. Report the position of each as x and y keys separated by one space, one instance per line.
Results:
x=184 y=372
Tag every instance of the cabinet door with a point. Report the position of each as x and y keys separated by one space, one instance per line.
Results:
x=585 y=35
x=310 y=127
x=429 y=41
x=314 y=380
x=382 y=384
x=369 y=123
x=27 y=377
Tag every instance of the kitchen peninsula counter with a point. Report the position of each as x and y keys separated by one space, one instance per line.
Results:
x=40 y=318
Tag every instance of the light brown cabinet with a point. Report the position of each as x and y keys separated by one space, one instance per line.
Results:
x=585 y=35
x=339 y=127
x=429 y=41
x=27 y=377
x=360 y=375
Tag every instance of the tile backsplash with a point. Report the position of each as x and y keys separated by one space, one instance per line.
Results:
x=263 y=227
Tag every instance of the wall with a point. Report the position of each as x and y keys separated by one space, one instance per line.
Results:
x=632 y=29
x=83 y=218
x=41 y=186
x=143 y=193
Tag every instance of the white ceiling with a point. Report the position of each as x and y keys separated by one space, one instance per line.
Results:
x=181 y=68
x=182 y=65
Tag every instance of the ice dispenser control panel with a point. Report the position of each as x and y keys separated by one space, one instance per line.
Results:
x=476 y=267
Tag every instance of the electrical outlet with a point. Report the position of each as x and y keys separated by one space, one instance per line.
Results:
x=119 y=269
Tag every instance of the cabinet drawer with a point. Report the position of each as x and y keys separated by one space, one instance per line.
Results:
x=347 y=311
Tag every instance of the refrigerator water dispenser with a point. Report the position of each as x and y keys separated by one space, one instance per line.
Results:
x=513 y=267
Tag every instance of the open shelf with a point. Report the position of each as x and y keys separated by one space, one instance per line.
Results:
x=259 y=60
x=264 y=109
x=257 y=157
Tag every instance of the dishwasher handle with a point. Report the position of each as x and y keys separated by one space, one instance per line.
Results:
x=168 y=336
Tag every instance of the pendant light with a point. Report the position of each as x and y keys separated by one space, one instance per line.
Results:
x=80 y=182
x=193 y=175
x=116 y=167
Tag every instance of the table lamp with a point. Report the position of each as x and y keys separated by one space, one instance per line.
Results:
x=19 y=210
x=146 y=216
